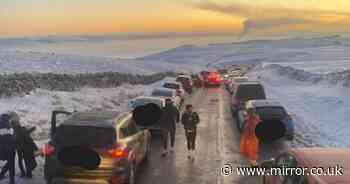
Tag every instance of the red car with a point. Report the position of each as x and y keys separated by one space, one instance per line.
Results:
x=212 y=79
x=324 y=166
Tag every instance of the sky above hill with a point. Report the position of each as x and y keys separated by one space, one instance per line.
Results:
x=240 y=17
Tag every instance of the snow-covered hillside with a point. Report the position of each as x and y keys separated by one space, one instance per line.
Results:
x=297 y=52
x=37 y=62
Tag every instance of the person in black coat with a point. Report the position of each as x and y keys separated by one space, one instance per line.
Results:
x=190 y=120
x=170 y=116
x=7 y=148
x=25 y=146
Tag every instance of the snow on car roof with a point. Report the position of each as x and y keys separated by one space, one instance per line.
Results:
x=102 y=119
x=263 y=103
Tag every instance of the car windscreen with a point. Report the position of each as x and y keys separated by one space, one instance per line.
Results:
x=162 y=93
x=141 y=102
x=183 y=79
x=250 y=92
x=271 y=112
x=80 y=135
x=171 y=85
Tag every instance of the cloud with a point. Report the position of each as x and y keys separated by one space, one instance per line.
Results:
x=250 y=25
x=257 y=19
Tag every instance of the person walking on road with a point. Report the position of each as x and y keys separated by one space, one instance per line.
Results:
x=25 y=146
x=190 y=120
x=168 y=120
x=249 y=143
x=7 y=148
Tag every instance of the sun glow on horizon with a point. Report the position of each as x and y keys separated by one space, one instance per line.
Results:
x=44 y=17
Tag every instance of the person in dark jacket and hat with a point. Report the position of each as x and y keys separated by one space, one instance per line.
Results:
x=7 y=148
x=170 y=116
x=190 y=120
x=25 y=146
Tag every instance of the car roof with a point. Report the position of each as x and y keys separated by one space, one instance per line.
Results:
x=241 y=78
x=149 y=97
x=171 y=82
x=103 y=119
x=263 y=103
x=186 y=76
x=169 y=79
x=250 y=83
x=325 y=158
x=164 y=89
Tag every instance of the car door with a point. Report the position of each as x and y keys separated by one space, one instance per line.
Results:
x=134 y=139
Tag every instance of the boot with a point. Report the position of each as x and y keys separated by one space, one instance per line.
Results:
x=29 y=174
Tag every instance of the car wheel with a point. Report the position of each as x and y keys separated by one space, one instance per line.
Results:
x=131 y=178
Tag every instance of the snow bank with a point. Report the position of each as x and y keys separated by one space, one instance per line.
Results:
x=335 y=78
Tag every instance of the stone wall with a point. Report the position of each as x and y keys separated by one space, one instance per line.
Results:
x=21 y=84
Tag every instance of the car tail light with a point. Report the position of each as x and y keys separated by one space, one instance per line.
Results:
x=178 y=92
x=48 y=150
x=120 y=151
x=117 y=179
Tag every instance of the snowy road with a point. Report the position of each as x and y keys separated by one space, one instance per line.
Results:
x=217 y=145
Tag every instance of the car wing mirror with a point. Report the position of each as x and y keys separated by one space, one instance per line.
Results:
x=131 y=104
x=268 y=164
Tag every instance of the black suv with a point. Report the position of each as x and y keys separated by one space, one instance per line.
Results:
x=244 y=92
x=94 y=147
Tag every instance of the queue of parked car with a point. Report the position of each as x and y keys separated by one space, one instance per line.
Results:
x=276 y=123
x=107 y=146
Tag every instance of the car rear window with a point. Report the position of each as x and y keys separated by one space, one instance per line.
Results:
x=141 y=102
x=171 y=85
x=183 y=79
x=250 y=92
x=162 y=93
x=271 y=112
x=92 y=136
